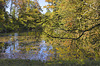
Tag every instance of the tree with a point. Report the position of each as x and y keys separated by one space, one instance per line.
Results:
x=1 y=15
x=23 y=14
x=76 y=21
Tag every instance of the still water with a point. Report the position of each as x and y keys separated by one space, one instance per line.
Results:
x=13 y=49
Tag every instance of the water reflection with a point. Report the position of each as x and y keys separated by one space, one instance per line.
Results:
x=13 y=52
x=13 y=46
x=44 y=51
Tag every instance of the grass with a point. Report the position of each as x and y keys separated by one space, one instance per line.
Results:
x=20 y=62
x=17 y=62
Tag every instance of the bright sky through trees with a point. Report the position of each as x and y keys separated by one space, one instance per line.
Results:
x=41 y=2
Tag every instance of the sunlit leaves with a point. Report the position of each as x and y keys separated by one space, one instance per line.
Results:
x=30 y=18
x=69 y=19
x=49 y=0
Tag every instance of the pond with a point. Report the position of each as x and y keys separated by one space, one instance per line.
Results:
x=24 y=47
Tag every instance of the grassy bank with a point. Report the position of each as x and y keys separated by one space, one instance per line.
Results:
x=9 y=62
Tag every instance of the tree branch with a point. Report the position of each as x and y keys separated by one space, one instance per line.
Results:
x=83 y=31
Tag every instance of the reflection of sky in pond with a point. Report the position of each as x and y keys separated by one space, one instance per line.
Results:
x=13 y=46
x=44 y=52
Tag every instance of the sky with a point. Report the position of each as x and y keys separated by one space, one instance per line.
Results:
x=41 y=2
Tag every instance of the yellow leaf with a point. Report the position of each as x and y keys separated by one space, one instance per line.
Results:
x=44 y=6
x=57 y=49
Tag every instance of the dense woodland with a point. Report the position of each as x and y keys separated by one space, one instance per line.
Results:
x=72 y=26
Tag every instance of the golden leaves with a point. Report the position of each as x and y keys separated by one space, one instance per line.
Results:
x=27 y=49
x=44 y=6
x=50 y=58
x=57 y=48
x=69 y=24
x=51 y=6
x=67 y=0
x=48 y=0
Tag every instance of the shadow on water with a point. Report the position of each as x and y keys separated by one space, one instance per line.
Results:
x=15 y=49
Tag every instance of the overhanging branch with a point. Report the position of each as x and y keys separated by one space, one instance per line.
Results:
x=83 y=31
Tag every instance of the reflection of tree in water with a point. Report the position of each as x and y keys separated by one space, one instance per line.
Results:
x=44 y=51
x=38 y=32
x=12 y=51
